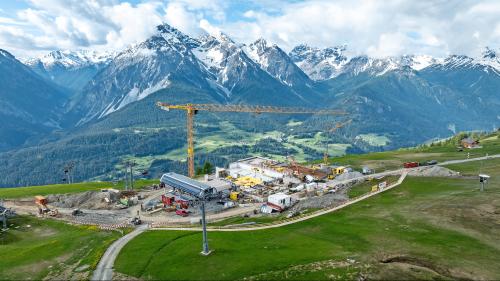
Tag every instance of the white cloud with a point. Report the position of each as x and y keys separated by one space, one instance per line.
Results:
x=378 y=28
x=392 y=27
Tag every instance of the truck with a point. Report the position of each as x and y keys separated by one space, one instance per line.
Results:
x=410 y=164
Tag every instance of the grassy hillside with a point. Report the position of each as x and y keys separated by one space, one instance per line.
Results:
x=29 y=191
x=35 y=249
x=426 y=228
x=447 y=150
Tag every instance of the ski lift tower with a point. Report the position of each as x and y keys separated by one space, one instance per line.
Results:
x=199 y=190
x=483 y=180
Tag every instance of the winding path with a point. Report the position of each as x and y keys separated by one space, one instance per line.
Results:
x=104 y=270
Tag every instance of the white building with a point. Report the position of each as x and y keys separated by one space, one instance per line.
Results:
x=255 y=167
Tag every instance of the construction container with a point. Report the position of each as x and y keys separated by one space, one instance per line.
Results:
x=410 y=164
x=340 y=170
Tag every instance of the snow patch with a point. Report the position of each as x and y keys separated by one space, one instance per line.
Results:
x=135 y=94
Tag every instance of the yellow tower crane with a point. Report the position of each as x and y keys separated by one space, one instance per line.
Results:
x=337 y=126
x=192 y=109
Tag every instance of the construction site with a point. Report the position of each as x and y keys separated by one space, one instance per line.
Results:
x=254 y=186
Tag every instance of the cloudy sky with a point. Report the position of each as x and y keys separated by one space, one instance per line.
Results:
x=377 y=28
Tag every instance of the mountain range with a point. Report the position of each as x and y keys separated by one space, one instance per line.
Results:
x=78 y=106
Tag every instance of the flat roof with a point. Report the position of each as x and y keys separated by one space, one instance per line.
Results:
x=256 y=160
x=278 y=196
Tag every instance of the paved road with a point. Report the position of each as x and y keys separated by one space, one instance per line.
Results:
x=104 y=270
x=468 y=160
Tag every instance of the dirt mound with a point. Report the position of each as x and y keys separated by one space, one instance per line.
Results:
x=319 y=202
x=348 y=176
x=433 y=171
x=85 y=200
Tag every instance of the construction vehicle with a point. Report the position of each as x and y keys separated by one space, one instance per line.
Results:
x=338 y=125
x=182 y=213
x=41 y=202
x=193 y=109
x=234 y=195
x=136 y=221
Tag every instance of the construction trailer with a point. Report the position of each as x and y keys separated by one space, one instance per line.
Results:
x=366 y=170
x=279 y=201
x=340 y=170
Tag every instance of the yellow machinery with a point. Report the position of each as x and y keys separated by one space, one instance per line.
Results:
x=339 y=170
x=247 y=181
x=192 y=109
x=374 y=188
x=234 y=195
x=338 y=125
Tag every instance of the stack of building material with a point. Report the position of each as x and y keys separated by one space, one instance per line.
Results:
x=247 y=181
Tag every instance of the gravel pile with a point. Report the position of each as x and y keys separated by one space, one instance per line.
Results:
x=86 y=200
x=348 y=176
x=319 y=202
x=433 y=171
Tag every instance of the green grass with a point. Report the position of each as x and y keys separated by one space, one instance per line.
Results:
x=29 y=191
x=50 y=247
x=366 y=187
x=374 y=139
x=443 y=223
x=388 y=160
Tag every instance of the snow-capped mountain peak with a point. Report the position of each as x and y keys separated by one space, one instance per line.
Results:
x=175 y=36
x=319 y=64
x=5 y=54
x=490 y=57
x=71 y=59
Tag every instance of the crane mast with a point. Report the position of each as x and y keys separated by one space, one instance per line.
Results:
x=192 y=109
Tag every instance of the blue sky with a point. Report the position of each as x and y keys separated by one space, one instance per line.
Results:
x=376 y=28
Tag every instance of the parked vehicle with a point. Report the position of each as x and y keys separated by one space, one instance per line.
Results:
x=136 y=221
x=432 y=162
x=182 y=213
x=410 y=164
x=77 y=212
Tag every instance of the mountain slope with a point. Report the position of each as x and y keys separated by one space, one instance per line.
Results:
x=29 y=106
x=139 y=71
x=243 y=79
x=70 y=70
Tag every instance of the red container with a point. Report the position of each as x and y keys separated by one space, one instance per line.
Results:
x=410 y=164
